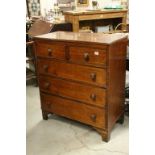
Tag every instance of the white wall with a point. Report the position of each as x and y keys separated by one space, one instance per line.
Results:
x=46 y=4
x=102 y=4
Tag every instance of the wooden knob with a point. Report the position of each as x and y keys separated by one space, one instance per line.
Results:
x=93 y=117
x=93 y=76
x=93 y=97
x=47 y=85
x=49 y=52
x=86 y=56
x=45 y=67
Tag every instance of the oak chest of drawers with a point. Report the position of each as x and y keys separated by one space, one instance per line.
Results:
x=82 y=77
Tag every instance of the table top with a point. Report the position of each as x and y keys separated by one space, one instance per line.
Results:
x=85 y=12
x=83 y=37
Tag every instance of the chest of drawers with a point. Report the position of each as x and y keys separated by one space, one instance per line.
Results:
x=82 y=77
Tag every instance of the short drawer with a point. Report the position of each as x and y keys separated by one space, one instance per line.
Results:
x=87 y=55
x=91 y=75
x=74 y=110
x=84 y=93
x=50 y=50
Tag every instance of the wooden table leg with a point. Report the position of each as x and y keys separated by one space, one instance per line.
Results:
x=124 y=18
x=75 y=24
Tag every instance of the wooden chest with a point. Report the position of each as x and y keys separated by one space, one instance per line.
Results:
x=82 y=77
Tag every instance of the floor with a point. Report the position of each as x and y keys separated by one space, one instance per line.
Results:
x=60 y=136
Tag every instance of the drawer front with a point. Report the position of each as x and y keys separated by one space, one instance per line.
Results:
x=91 y=75
x=84 y=93
x=87 y=55
x=75 y=110
x=50 y=50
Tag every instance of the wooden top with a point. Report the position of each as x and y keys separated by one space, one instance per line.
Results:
x=40 y=27
x=83 y=37
x=87 y=12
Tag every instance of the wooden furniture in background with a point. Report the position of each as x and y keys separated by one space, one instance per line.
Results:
x=75 y=17
x=61 y=26
x=82 y=77
x=39 y=27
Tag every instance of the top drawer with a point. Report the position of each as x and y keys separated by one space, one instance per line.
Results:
x=50 y=50
x=92 y=56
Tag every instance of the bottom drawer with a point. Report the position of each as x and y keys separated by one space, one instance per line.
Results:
x=74 y=110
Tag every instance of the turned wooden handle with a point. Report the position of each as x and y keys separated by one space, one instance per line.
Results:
x=93 y=117
x=45 y=67
x=49 y=52
x=86 y=56
x=93 y=76
x=47 y=85
x=93 y=96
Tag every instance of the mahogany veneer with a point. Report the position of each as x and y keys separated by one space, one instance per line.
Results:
x=82 y=77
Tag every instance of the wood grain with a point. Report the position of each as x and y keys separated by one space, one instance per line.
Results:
x=76 y=17
x=77 y=84
x=87 y=55
x=90 y=75
x=50 y=51
x=77 y=91
x=74 y=110
x=116 y=82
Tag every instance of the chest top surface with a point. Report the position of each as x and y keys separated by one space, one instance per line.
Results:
x=83 y=37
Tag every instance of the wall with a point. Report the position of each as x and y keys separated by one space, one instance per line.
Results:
x=48 y=4
x=102 y=3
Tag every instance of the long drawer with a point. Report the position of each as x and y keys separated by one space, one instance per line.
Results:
x=87 y=55
x=91 y=75
x=84 y=93
x=74 y=110
x=50 y=50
